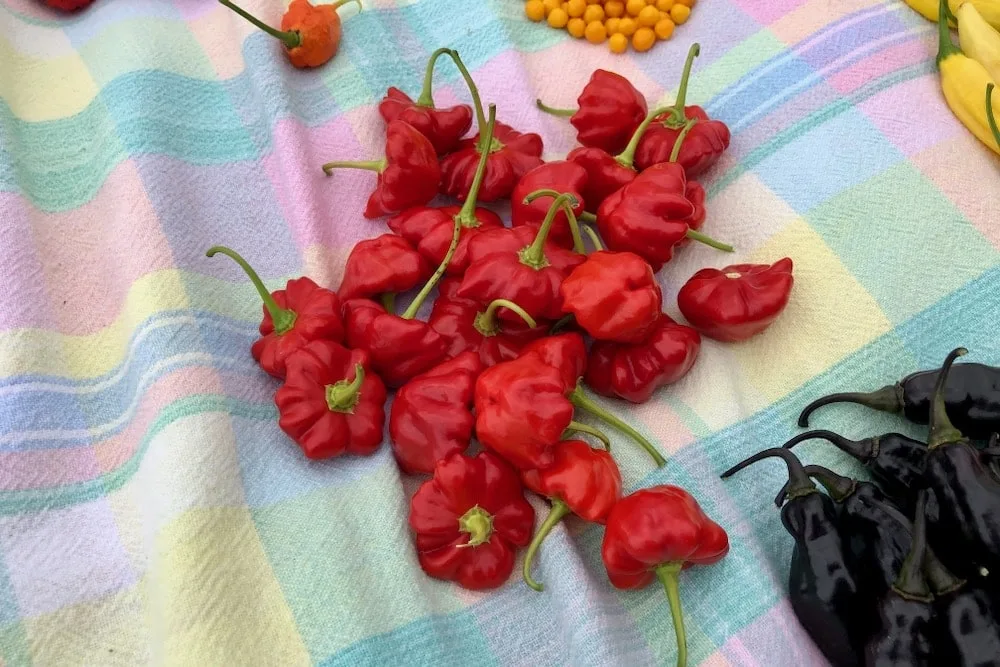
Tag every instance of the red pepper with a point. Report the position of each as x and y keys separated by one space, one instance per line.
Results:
x=695 y=194
x=608 y=173
x=521 y=265
x=614 y=296
x=581 y=481
x=736 y=302
x=431 y=417
x=310 y=33
x=703 y=144
x=430 y=228
x=68 y=5
x=655 y=533
x=635 y=371
x=566 y=352
x=651 y=215
x=385 y=264
x=294 y=316
x=331 y=403
x=469 y=520
x=444 y=127
x=510 y=155
x=609 y=110
x=408 y=175
x=552 y=178
x=469 y=327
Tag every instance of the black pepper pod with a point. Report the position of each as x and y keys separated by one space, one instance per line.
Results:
x=895 y=461
x=905 y=634
x=876 y=542
x=822 y=589
x=968 y=495
x=972 y=396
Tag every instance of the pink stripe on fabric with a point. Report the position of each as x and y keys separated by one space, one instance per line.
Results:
x=26 y=302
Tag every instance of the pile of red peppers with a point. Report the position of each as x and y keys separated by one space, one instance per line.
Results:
x=527 y=325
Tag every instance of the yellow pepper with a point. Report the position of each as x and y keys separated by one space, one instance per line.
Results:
x=962 y=82
x=989 y=9
x=980 y=41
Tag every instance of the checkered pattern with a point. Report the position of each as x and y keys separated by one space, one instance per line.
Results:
x=151 y=510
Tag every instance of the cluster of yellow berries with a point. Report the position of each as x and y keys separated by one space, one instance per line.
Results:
x=617 y=21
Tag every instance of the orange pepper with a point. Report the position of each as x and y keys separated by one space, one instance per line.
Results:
x=310 y=33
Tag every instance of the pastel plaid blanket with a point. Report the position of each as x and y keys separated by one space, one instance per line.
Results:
x=151 y=511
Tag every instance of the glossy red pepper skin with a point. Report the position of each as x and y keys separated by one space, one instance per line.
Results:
x=429 y=230
x=384 y=264
x=559 y=176
x=695 y=194
x=505 y=520
x=736 y=302
x=431 y=417
x=522 y=411
x=518 y=154
x=614 y=296
x=400 y=349
x=702 y=147
x=455 y=318
x=635 y=371
x=610 y=109
x=496 y=272
x=320 y=428
x=605 y=175
x=565 y=352
x=317 y=317
x=587 y=480
x=444 y=128
x=68 y=5
x=649 y=216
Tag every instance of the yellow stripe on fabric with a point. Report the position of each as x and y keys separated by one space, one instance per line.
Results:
x=829 y=316
x=213 y=598
x=40 y=90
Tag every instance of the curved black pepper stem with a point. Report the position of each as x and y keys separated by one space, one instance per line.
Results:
x=942 y=431
x=799 y=483
x=911 y=583
x=838 y=486
x=887 y=399
x=862 y=450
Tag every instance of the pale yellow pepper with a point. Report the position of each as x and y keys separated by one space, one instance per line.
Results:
x=989 y=9
x=979 y=40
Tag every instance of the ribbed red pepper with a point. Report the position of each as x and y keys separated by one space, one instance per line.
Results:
x=385 y=264
x=408 y=175
x=294 y=316
x=555 y=177
x=443 y=127
x=331 y=403
x=609 y=110
x=581 y=481
x=634 y=371
x=469 y=520
x=565 y=352
x=654 y=533
x=431 y=416
x=430 y=228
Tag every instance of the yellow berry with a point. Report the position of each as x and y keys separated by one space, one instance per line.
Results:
x=618 y=43
x=643 y=39
x=686 y=3
x=680 y=13
x=576 y=27
x=648 y=16
x=614 y=8
x=664 y=5
x=534 y=10
x=593 y=13
x=611 y=25
x=576 y=8
x=593 y=2
x=596 y=32
x=650 y=2
x=633 y=7
x=550 y=5
x=627 y=26
x=558 y=18
x=664 y=28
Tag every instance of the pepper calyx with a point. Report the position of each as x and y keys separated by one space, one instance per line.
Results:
x=283 y=319
x=478 y=523
x=343 y=395
x=486 y=321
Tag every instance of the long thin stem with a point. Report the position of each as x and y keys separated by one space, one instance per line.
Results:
x=367 y=165
x=668 y=574
x=389 y=302
x=946 y=47
x=681 y=136
x=581 y=400
x=477 y=103
x=579 y=427
x=282 y=318
x=554 y=111
x=685 y=77
x=627 y=156
x=989 y=114
x=941 y=430
x=708 y=240
x=534 y=254
x=426 y=98
x=556 y=514
x=341 y=3
x=290 y=38
x=486 y=321
x=594 y=238
x=468 y=211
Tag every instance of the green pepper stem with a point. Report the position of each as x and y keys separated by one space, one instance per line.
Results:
x=942 y=431
x=561 y=324
x=627 y=157
x=341 y=3
x=579 y=427
x=342 y=396
x=467 y=215
x=389 y=302
x=581 y=400
x=534 y=254
x=574 y=229
x=486 y=321
x=477 y=103
x=587 y=216
x=426 y=98
x=554 y=111
x=989 y=114
x=708 y=240
x=290 y=38
x=679 y=141
x=594 y=238
x=682 y=90
x=368 y=165
x=411 y=310
x=556 y=514
x=946 y=47
x=668 y=575
x=282 y=318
